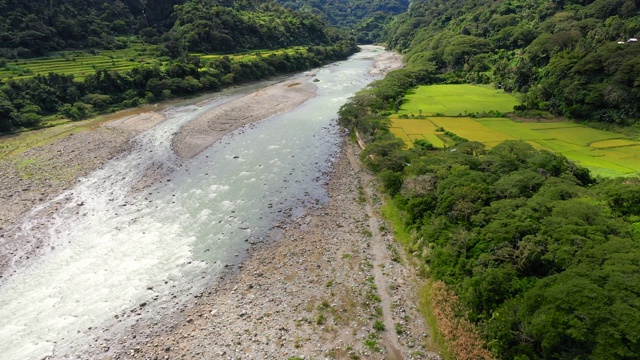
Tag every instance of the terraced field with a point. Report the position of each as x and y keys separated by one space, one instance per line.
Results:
x=604 y=153
x=80 y=64
x=455 y=100
x=249 y=55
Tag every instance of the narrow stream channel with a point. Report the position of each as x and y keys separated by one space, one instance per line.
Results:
x=111 y=251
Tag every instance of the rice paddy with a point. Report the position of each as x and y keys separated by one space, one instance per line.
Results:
x=604 y=153
x=82 y=63
x=456 y=100
x=250 y=55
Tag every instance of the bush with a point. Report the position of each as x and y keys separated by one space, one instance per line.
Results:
x=29 y=119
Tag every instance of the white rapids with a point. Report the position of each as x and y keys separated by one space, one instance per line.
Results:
x=109 y=251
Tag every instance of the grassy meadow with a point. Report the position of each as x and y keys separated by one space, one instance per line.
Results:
x=605 y=153
x=455 y=100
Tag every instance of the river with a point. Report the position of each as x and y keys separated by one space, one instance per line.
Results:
x=111 y=251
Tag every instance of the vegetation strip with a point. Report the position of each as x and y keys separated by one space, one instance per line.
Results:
x=28 y=102
x=532 y=245
x=600 y=151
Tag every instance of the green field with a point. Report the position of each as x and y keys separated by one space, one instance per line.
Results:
x=456 y=100
x=80 y=63
x=250 y=55
x=604 y=153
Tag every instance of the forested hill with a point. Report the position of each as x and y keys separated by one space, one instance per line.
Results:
x=366 y=17
x=35 y=28
x=187 y=47
x=223 y=25
x=541 y=259
x=570 y=57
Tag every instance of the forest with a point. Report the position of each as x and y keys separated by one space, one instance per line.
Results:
x=573 y=58
x=181 y=32
x=37 y=27
x=543 y=257
x=366 y=18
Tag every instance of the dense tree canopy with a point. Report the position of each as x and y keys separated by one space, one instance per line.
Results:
x=35 y=27
x=545 y=258
x=571 y=57
x=203 y=26
x=366 y=17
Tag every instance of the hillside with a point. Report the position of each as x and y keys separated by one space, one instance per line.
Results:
x=37 y=28
x=366 y=17
x=33 y=28
x=571 y=58
x=526 y=250
x=181 y=52
x=229 y=26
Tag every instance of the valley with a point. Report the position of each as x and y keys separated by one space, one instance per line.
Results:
x=239 y=179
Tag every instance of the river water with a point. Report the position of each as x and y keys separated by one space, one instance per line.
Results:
x=110 y=251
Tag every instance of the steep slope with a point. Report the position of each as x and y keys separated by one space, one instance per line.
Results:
x=33 y=28
x=205 y=26
x=571 y=58
x=366 y=17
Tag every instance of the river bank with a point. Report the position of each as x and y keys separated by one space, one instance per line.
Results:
x=334 y=285
x=39 y=174
x=36 y=175
x=331 y=283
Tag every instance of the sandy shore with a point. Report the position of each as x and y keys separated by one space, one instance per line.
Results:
x=332 y=285
x=215 y=124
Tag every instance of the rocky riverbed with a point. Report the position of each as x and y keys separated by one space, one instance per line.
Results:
x=331 y=283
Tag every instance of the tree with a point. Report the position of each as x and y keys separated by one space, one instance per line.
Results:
x=8 y=114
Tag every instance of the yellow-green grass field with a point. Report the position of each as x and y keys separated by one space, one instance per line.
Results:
x=80 y=64
x=604 y=153
x=249 y=55
x=456 y=100
x=410 y=130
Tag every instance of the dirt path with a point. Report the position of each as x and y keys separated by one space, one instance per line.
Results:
x=381 y=255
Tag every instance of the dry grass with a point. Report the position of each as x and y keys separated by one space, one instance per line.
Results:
x=461 y=337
